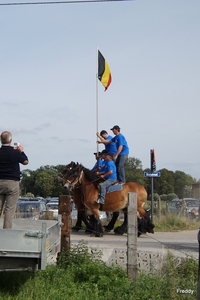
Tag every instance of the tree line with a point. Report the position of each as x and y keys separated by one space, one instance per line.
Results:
x=41 y=182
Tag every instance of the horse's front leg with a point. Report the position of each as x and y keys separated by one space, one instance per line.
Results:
x=94 y=208
x=77 y=227
x=112 y=222
x=98 y=228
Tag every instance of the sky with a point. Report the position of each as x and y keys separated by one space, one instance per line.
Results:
x=53 y=105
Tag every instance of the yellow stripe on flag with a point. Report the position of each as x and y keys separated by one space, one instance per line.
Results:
x=104 y=74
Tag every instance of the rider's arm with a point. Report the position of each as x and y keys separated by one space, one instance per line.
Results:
x=107 y=174
x=102 y=140
x=118 y=151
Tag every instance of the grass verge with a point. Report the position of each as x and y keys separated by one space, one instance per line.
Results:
x=80 y=275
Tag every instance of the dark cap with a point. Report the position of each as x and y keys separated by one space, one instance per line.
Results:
x=103 y=132
x=115 y=127
x=104 y=152
x=99 y=153
x=110 y=154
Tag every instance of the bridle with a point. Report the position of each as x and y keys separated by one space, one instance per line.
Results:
x=76 y=182
x=72 y=184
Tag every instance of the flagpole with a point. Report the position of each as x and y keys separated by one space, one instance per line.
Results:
x=97 y=109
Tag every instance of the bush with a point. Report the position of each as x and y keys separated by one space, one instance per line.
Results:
x=81 y=275
x=171 y=196
x=163 y=197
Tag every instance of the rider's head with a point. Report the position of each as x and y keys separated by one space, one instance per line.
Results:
x=115 y=129
x=104 y=134
x=109 y=156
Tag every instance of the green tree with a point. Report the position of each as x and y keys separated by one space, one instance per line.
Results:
x=27 y=182
x=183 y=184
x=42 y=181
x=133 y=170
x=165 y=183
x=44 y=184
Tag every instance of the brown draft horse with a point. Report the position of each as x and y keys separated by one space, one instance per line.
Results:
x=77 y=198
x=80 y=177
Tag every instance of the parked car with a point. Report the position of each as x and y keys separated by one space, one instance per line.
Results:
x=189 y=206
x=52 y=207
x=54 y=199
x=23 y=199
x=173 y=206
x=192 y=207
x=30 y=209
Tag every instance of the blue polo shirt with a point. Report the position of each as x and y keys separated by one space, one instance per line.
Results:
x=110 y=165
x=111 y=147
x=120 y=140
x=98 y=164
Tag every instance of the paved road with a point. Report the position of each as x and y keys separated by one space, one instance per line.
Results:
x=183 y=242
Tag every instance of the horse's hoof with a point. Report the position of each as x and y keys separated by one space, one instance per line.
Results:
x=99 y=234
x=119 y=231
x=107 y=229
x=76 y=228
x=88 y=231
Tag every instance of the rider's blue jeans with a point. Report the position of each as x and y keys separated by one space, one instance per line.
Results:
x=103 y=187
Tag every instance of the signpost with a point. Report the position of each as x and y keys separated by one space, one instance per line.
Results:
x=152 y=174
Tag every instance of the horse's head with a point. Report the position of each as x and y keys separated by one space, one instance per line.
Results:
x=58 y=178
x=71 y=178
x=68 y=168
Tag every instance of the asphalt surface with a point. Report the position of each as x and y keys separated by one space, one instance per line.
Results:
x=181 y=243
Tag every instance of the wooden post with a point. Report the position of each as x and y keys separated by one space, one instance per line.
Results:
x=65 y=210
x=132 y=231
x=198 y=285
x=159 y=208
x=152 y=202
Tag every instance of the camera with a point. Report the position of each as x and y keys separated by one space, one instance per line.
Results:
x=16 y=144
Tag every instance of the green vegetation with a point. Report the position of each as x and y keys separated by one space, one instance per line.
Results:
x=170 y=222
x=41 y=181
x=80 y=275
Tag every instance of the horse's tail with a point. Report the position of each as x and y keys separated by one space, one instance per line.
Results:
x=141 y=196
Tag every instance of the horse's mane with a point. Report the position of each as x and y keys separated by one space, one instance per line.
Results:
x=90 y=175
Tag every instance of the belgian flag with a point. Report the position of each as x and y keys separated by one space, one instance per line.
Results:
x=104 y=74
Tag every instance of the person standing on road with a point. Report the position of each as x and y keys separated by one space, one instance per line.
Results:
x=10 y=157
x=122 y=151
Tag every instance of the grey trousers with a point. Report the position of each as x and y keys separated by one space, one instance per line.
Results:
x=9 y=193
x=120 y=161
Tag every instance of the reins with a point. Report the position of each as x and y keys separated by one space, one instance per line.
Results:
x=82 y=184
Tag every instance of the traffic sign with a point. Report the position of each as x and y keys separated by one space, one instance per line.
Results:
x=152 y=174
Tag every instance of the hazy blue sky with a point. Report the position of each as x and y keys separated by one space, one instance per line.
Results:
x=48 y=80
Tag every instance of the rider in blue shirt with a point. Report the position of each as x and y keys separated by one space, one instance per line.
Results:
x=99 y=162
x=122 y=151
x=111 y=147
x=110 y=175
